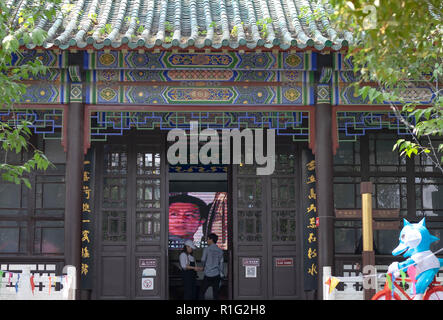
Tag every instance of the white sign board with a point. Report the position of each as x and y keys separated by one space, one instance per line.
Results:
x=147 y=283
x=251 y=271
x=149 y=272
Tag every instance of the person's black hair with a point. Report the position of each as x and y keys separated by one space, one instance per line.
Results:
x=186 y=251
x=203 y=208
x=213 y=237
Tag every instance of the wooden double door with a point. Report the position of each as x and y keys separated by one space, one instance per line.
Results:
x=131 y=243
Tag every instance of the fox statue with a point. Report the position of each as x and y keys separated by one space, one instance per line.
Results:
x=415 y=241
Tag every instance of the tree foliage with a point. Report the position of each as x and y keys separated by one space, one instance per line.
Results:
x=398 y=46
x=18 y=27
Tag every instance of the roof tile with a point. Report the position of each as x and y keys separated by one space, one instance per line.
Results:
x=140 y=24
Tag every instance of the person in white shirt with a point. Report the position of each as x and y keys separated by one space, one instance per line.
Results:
x=189 y=269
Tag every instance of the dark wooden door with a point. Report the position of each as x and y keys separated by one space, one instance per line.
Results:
x=267 y=255
x=132 y=221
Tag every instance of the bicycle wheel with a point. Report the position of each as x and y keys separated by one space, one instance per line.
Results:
x=435 y=293
x=381 y=295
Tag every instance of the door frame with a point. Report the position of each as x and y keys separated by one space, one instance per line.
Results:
x=131 y=139
x=266 y=253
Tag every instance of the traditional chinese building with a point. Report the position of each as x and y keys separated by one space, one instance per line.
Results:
x=123 y=73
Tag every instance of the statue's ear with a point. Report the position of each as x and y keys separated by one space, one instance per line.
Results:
x=422 y=223
x=405 y=222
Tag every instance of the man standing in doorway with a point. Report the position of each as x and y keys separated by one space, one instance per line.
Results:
x=212 y=260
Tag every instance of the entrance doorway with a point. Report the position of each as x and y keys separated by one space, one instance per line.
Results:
x=267 y=227
x=136 y=255
x=259 y=220
x=198 y=205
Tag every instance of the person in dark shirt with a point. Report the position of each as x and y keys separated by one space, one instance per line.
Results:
x=212 y=260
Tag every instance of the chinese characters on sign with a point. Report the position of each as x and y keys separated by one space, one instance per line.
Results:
x=251 y=265
x=87 y=227
x=310 y=264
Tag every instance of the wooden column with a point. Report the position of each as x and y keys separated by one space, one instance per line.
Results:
x=74 y=175
x=368 y=256
x=325 y=186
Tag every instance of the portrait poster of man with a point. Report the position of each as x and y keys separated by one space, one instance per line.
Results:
x=194 y=215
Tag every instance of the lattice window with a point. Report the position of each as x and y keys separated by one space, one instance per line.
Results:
x=115 y=159
x=13 y=236
x=381 y=156
x=283 y=192
x=250 y=225
x=32 y=220
x=390 y=193
x=283 y=195
x=50 y=195
x=423 y=164
x=148 y=193
x=114 y=192
x=13 y=199
x=49 y=237
x=283 y=225
x=148 y=163
x=284 y=164
x=347 y=192
x=347 y=158
x=429 y=196
x=247 y=169
x=249 y=192
x=148 y=226
x=411 y=185
x=249 y=202
x=347 y=235
x=114 y=225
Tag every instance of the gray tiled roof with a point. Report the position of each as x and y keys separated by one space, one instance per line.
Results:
x=213 y=24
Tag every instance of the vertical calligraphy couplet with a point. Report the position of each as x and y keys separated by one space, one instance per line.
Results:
x=309 y=212
x=87 y=223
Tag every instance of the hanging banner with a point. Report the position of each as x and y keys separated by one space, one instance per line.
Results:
x=87 y=223
x=310 y=219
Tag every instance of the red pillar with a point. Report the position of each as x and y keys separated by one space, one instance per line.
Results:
x=74 y=175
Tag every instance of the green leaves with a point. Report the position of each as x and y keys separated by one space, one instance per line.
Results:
x=17 y=173
x=10 y=43
x=409 y=148
x=14 y=138
x=263 y=26
x=38 y=36
x=398 y=47
x=373 y=94
x=107 y=28
x=17 y=28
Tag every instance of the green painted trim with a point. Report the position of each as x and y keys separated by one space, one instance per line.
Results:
x=93 y=61
x=121 y=94
x=93 y=87
x=121 y=61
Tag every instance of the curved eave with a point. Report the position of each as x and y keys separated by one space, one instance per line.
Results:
x=198 y=44
x=232 y=47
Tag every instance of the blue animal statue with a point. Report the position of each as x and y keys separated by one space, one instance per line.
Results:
x=415 y=241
